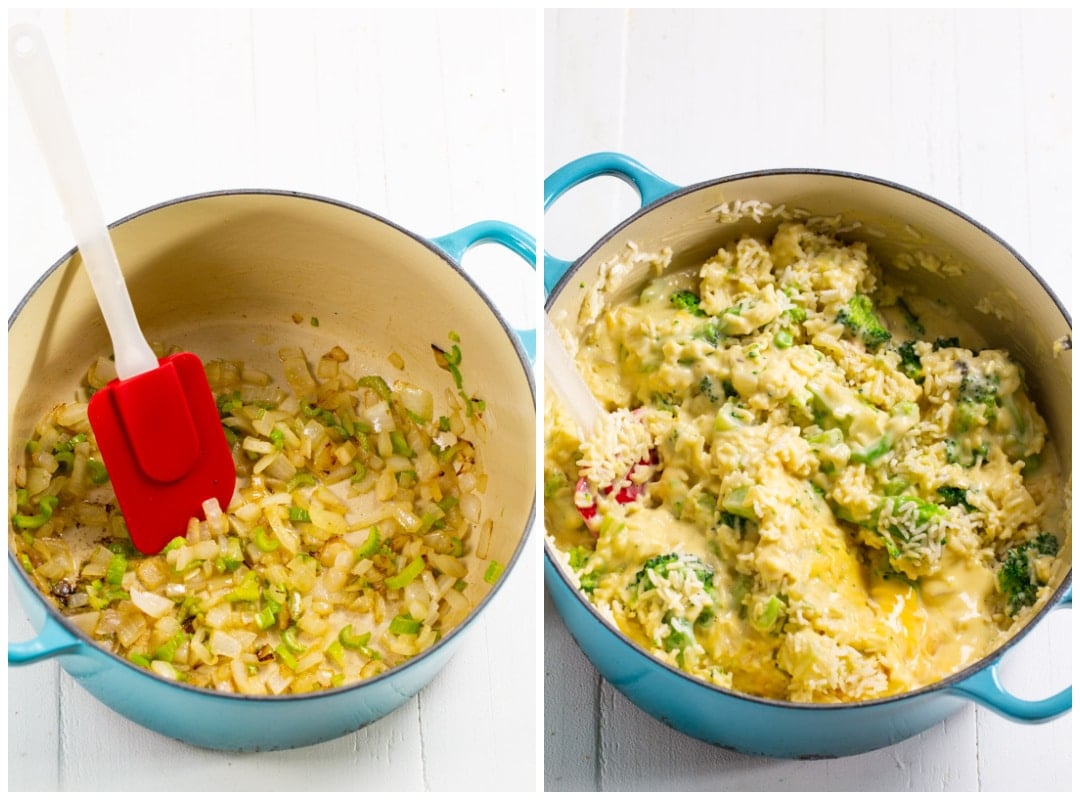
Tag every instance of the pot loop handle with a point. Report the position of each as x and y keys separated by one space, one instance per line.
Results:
x=985 y=688
x=457 y=243
x=649 y=186
x=53 y=640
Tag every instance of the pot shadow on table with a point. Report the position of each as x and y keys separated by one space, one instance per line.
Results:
x=403 y=751
x=596 y=739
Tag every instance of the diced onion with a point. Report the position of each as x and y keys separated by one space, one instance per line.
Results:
x=149 y=603
x=344 y=518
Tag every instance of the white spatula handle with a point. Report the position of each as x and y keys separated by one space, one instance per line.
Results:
x=39 y=87
x=561 y=371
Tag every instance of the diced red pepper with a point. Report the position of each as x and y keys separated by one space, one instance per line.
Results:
x=627 y=494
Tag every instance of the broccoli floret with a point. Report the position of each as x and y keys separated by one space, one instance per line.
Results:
x=943 y=341
x=729 y=519
x=954 y=496
x=959 y=453
x=676 y=633
x=910 y=363
x=709 y=332
x=1017 y=579
x=687 y=301
x=978 y=388
x=772 y=615
x=912 y=321
x=707 y=389
x=579 y=557
x=872 y=452
x=977 y=400
x=579 y=561
x=861 y=320
x=907 y=531
x=663 y=565
x=905 y=525
x=665 y=402
x=553 y=482
x=795 y=314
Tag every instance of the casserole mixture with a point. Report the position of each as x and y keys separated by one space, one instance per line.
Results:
x=813 y=487
x=350 y=544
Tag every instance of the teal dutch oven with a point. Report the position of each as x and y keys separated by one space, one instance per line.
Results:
x=221 y=275
x=686 y=219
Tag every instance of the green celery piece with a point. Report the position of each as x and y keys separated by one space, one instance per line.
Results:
x=411 y=571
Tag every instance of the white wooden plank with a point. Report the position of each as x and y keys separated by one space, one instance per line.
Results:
x=583 y=113
x=571 y=699
x=1018 y=757
x=1046 y=57
x=386 y=755
x=657 y=757
x=33 y=730
x=499 y=758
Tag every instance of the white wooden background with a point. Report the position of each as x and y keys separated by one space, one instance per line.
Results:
x=427 y=118
x=971 y=107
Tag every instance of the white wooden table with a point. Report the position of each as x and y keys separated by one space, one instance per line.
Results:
x=427 y=118
x=972 y=108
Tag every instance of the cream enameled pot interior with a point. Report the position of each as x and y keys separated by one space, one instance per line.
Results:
x=223 y=275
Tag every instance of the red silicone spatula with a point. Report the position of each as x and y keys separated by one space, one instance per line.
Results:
x=561 y=371
x=156 y=425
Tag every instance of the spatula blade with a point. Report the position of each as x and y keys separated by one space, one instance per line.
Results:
x=163 y=444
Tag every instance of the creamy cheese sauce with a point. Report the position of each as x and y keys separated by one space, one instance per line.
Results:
x=840 y=474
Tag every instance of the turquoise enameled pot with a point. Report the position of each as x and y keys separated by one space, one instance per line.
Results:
x=222 y=275
x=1033 y=324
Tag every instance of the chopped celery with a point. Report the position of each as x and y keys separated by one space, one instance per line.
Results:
x=354 y=641
x=770 y=615
x=376 y=384
x=400 y=446
x=139 y=660
x=404 y=624
x=287 y=658
x=166 y=651
x=298 y=480
x=407 y=575
x=336 y=653
x=247 y=591
x=738 y=504
x=46 y=506
x=265 y=617
x=371 y=546
x=98 y=473
x=290 y=640
x=233 y=556
x=493 y=571
x=873 y=452
x=265 y=541
x=114 y=573
x=783 y=339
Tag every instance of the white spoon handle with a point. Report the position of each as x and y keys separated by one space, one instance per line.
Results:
x=35 y=76
x=561 y=371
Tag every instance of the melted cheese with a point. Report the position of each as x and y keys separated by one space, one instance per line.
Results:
x=784 y=465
